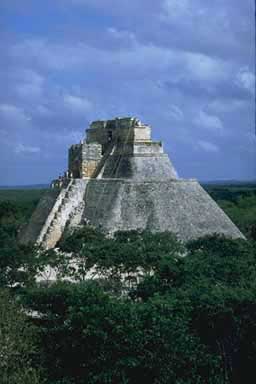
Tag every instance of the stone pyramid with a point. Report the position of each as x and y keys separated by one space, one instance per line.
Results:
x=119 y=179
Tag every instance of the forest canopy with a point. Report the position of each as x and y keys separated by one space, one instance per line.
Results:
x=155 y=310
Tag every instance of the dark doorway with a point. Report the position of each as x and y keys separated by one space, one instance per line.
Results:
x=76 y=170
x=110 y=136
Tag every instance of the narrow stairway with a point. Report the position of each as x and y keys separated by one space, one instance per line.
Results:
x=69 y=199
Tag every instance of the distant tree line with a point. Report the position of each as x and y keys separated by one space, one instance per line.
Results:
x=239 y=203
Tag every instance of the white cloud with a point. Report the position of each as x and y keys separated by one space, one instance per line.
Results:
x=116 y=68
x=189 y=12
x=30 y=91
x=57 y=56
x=207 y=146
x=246 y=79
x=21 y=148
x=176 y=113
x=204 y=67
x=31 y=76
x=29 y=84
x=134 y=64
x=121 y=34
x=209 y=122
x=87 y=2
x=176 y=8
x=118 y=7
x=209 y=17
x=132 y=61
x=77 y=104
x=226 y=106
x=42 y=110
x=13 y=113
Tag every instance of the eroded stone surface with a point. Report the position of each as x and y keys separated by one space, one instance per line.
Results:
x=119 y=179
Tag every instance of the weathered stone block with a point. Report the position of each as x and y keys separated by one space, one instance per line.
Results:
x=122 y=180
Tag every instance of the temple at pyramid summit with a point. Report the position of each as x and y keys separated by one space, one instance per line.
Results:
x=118 y=178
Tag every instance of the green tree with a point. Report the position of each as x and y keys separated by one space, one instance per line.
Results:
x=91 y=337
x=218 y=278
x=243 y=213
x=126 y=256
x=19 y=264
x=17 y=345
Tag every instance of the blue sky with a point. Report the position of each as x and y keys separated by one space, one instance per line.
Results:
x=186 y=67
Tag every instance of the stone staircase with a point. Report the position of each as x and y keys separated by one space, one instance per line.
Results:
x=102 y=164
x=76 y=217
x=68 y=204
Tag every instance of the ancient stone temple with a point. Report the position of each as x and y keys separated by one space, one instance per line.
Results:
x=119 y=179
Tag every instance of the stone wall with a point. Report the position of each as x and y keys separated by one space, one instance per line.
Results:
x=118 y=130
x=179 y=206
x=84 y=159
x=32 y=231
x=142 y=134
x=91 y=156
x=122 y=137
x=152 y=147
x=139 y=167
x=75 y=160
x=133 y=148
x=124 y=181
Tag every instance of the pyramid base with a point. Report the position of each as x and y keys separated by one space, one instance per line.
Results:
x=179 y=206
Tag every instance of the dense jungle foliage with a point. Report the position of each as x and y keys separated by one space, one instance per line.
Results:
x=153 y=310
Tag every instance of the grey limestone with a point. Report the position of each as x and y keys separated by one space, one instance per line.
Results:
x=139 y=167
x=180 y=206
x=119 y=179
x=32 y=231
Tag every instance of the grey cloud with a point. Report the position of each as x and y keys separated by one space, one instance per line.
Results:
x=12 y=114
x=176 y=113
x=135 y=61
x=210 y=122
x=246 y=79
x=207 y=146
x=21 y=148
x=193 y=85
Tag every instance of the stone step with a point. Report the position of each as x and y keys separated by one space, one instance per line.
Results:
x=60 y=207
x=67 y=207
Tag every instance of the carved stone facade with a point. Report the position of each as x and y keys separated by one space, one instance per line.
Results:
x=123 y=136
x=84 y=159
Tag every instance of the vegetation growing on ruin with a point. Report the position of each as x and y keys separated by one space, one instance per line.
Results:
x=157 y=311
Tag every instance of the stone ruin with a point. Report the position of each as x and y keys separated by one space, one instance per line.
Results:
x=119 y=179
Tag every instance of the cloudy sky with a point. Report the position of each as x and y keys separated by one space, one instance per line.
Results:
x=186 y=67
